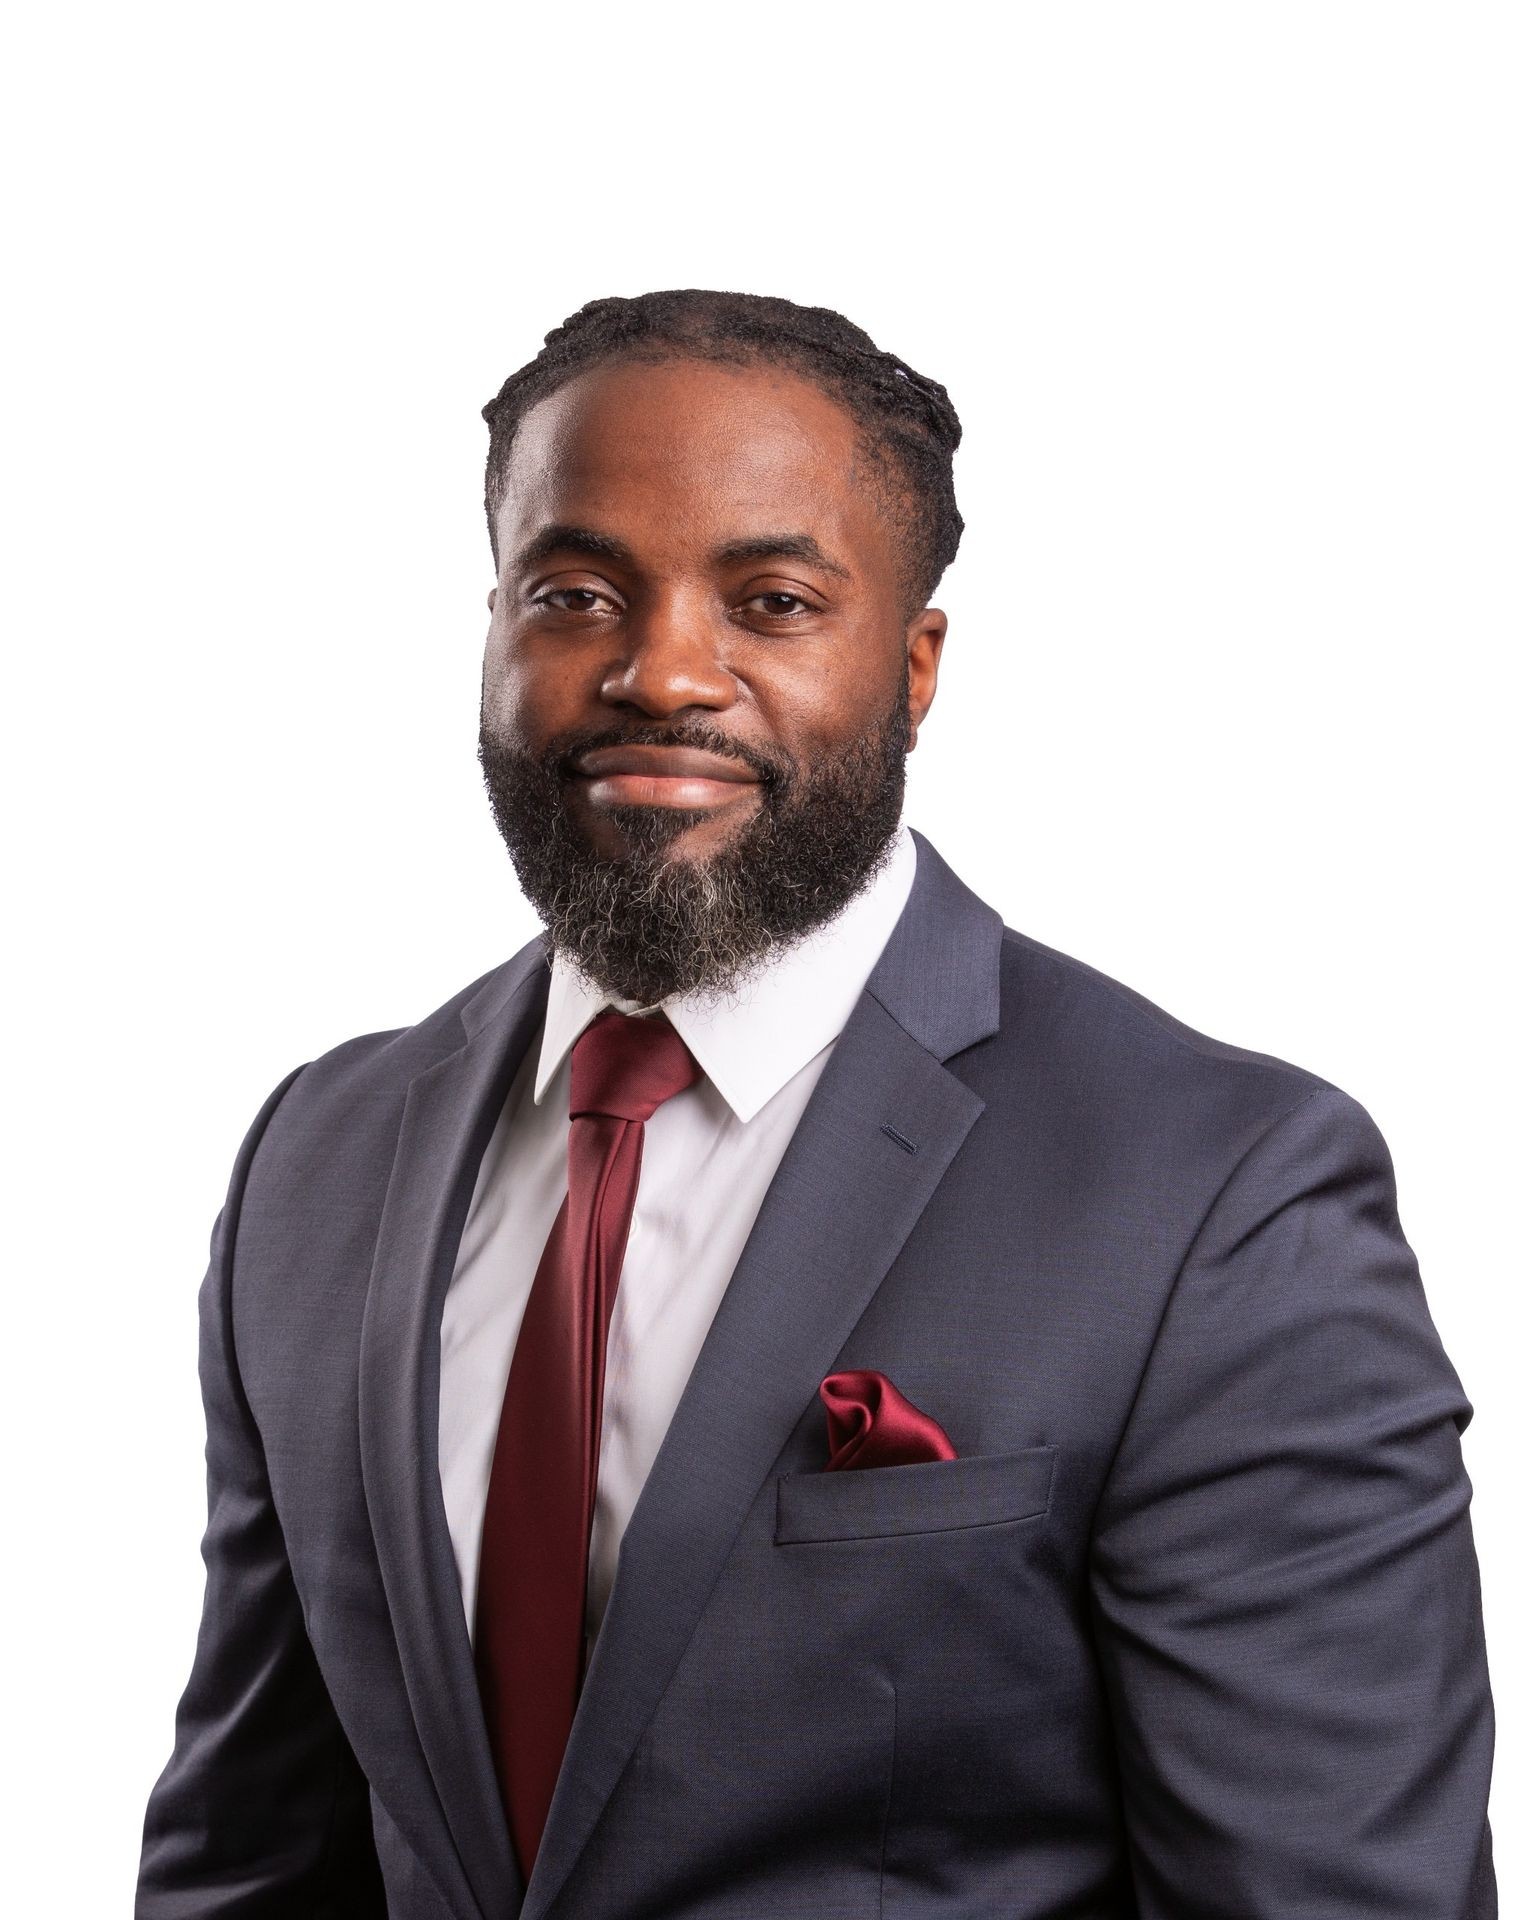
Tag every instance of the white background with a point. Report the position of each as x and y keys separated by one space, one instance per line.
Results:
x=1236 y=304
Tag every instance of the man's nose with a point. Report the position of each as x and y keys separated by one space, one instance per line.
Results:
x=671 y=656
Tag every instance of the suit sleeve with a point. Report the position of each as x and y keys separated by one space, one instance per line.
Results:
x=261 y=1810
x=1283 y=1584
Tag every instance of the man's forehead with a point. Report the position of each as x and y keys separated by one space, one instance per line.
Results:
x=728 y=448
x=714 y=417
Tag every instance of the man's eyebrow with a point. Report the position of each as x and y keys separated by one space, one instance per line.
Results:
x=549 y=541
x=780 y=546
x=564 y=538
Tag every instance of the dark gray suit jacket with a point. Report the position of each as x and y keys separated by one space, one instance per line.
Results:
x=1191 y=1630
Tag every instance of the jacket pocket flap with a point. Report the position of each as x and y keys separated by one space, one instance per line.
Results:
x=933 y=1496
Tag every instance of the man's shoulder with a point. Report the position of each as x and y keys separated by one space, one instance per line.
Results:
x=1072 y=1043
x=1035 y=972
x=1092 y=1045
x=378 y=1067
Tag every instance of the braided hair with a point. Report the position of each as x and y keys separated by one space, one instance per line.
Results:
x=910 y=428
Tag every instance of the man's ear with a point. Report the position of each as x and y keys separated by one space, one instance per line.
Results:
x=925 y=642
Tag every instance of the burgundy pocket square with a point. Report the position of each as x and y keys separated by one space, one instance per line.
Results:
x=870 y=1423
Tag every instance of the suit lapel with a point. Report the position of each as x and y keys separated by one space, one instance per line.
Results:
x=451 y=1109
x=884 y=1122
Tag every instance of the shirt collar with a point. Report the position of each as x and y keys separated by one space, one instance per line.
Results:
x=787 y=1010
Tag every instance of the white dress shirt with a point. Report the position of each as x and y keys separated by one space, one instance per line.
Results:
x=709 y=1155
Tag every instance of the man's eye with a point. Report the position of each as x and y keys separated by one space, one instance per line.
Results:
x=780 y=606
x=569 y=599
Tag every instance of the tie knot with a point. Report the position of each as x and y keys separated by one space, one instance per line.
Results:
x=626 y=1064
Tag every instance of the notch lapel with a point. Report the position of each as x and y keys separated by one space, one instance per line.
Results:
x=841 y=1205
x=451 y=1109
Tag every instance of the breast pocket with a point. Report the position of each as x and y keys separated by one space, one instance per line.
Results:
x=933 y=1496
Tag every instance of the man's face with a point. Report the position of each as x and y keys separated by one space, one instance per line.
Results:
x=700 y=679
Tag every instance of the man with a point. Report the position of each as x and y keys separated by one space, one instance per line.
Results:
x=789 y=1397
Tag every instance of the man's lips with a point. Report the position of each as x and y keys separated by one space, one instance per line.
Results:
x=662 y=776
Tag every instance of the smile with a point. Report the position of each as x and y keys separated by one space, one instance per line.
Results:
x=636 y=776
x=662 y=790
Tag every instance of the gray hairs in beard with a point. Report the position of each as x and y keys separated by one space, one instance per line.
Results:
x=648 y=925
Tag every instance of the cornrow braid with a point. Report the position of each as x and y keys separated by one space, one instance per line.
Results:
x=910 y=428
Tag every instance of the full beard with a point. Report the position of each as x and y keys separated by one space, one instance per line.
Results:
x=650 y=924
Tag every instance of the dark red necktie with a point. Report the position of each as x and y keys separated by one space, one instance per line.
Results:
x=531 y=1604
